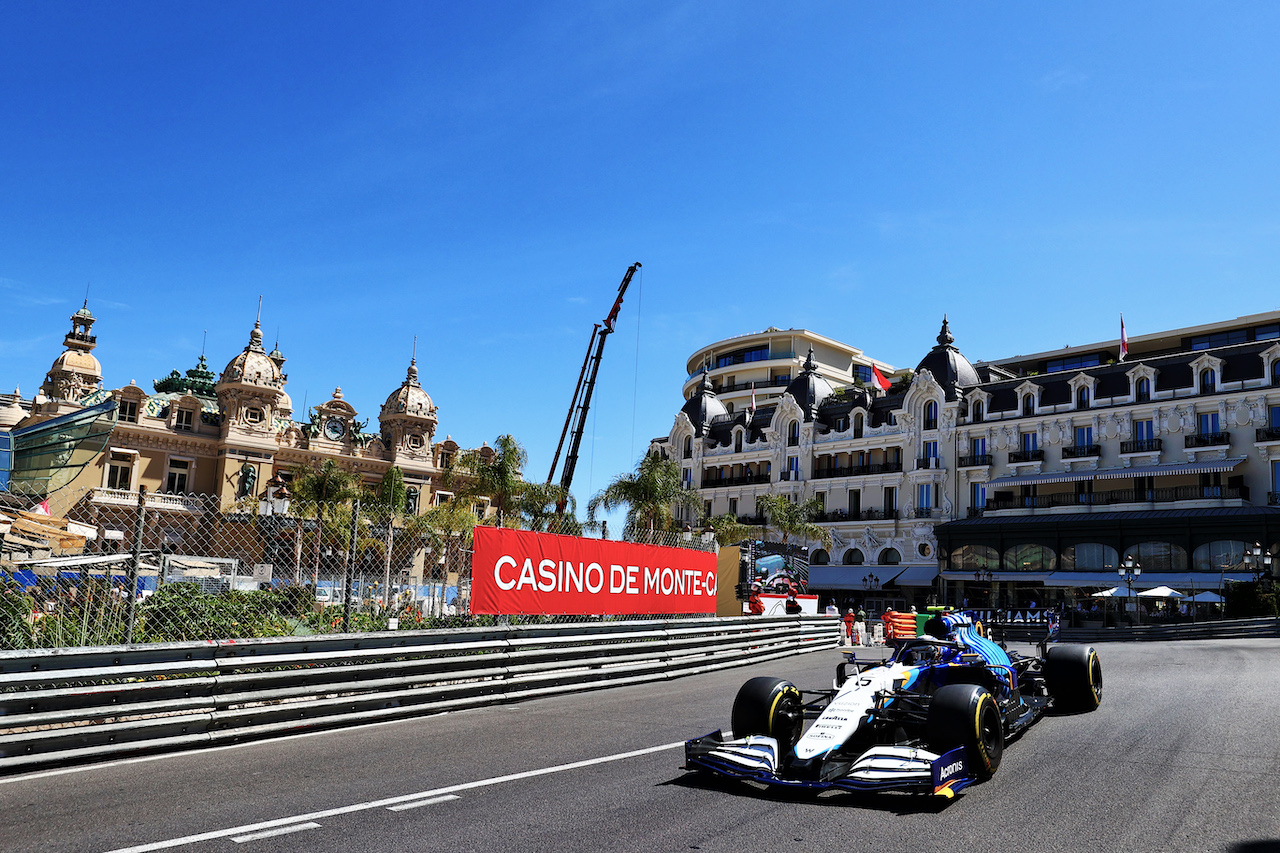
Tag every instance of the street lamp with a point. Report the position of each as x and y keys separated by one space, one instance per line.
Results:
x=1257 y=561
x=1129 y=570
x=870 y=582
x=988 y=577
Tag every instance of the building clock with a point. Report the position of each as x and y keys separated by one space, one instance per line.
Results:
x=334 y=429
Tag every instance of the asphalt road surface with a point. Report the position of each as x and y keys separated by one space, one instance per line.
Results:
x=1184 y=754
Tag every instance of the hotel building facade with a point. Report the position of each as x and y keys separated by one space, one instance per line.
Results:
x=1002 y=483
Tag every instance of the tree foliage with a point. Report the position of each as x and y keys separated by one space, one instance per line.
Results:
x=794 y=519
x=650 y=494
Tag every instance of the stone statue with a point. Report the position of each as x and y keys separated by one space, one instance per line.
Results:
x=248 y=480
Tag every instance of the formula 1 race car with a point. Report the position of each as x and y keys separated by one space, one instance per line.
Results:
x=934 y=717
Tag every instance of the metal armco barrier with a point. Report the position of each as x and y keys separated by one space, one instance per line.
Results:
x=72 y=705
x=1215 y=630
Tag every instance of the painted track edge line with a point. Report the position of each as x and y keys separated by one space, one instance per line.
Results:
x=390 y=801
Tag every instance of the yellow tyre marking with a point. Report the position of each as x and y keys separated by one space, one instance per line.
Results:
x=977 y=730
x=773 y=709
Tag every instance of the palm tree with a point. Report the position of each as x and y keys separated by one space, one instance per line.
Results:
x=650 y=495
x=322 y=491
x=494 y=473
x=538 y=509
x=447 y=531
x=794 y=519
x=730 y=531
x=386 y=505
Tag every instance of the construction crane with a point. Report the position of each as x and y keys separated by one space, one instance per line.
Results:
x=582 y=393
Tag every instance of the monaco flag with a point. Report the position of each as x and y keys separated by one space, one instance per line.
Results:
x=1124 y=340
x=878 y=378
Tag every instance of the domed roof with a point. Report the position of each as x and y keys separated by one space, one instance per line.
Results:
x=409 y=398
x=77 y=361
x=704 y=406
x=810 y=388
x=12 y=413
x=949 y=367
x=253 y=366
x=284 y=404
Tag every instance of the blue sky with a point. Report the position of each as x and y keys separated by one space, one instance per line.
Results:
x=481 y=175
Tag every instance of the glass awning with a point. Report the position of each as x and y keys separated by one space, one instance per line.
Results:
x=48 y=455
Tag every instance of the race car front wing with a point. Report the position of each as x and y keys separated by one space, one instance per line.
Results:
x=880 y=768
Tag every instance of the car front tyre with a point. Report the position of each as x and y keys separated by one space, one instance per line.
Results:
x=769 y=706
x=966 y=715
x=1073 y=677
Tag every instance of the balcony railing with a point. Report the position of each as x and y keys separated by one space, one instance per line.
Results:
x=1081 y=451
x=924 y=512
x=975 y=461
x=1025 y=456
x=975 y=512
x=155 y=500
x=857 y=470
x=743 y=480
x=877 y=514
x=1267 y=434
x=776 y=382
x=1121 y=496
x=1142 y=445
x=928 y=462
x=754 y=520
x=1207 y=439
x=784 y=476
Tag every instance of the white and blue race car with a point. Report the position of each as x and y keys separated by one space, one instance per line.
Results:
x=934 y=717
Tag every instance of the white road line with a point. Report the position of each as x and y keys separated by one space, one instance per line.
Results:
x=391 y=801
x=431 y=802
x=271 y=833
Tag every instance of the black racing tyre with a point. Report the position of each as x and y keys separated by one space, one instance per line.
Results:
x=1073 y=677
x=966 y=715
x=769 y=706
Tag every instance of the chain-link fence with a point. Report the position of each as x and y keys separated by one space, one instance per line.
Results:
x=105 y=566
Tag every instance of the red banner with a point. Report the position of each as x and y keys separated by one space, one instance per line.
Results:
x=516 y=572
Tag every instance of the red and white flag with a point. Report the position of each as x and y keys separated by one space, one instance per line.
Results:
x=753 y=396
x=878 y=378
x=1124 y=340
x=42 y=508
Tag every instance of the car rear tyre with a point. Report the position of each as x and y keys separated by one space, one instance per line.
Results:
x=966 y=715
x=1073 y=677
x=769 y=706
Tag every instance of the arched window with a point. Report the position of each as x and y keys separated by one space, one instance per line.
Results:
x=977 y=412
x=728 y=407
x=688 y=447
x=1275 y=372
x=1208 y=381
x=737 y=442
x=890 y=557
x=1082 y=398
x=819 y=558
x=1158 y=556
x=1219 y=555
x=931 y=415
x=1030 y=558
x=793 y=434
x=1089 y=556
x=1142 y=390
x=853 y=557
x=971 y=558
x=858 y=422
x=1028 y=405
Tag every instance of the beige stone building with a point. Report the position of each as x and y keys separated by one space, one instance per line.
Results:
x=200 y=440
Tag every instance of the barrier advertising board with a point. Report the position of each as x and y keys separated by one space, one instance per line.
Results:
x=518 y=572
